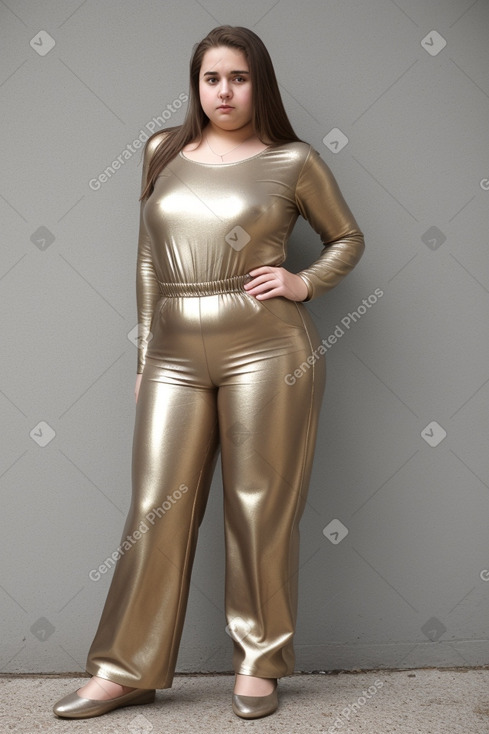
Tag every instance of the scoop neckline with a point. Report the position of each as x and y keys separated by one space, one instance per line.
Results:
x=231 y=163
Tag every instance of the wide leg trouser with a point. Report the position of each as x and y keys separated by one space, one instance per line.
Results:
x=231 y=371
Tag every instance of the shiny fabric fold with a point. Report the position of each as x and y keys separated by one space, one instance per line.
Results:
x=222 y=370
x=215 y=377
x=205 y=222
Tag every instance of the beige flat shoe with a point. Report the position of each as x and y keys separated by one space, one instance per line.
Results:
x=73 y=706
x=254 y=707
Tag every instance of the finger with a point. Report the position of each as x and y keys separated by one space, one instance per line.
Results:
x=265 y=286
x=262 y=270
x=269 y=294
x=259 y=280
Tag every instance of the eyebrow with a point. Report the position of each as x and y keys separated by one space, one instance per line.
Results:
x=216 y=73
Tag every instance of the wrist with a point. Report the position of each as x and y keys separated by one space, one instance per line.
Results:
x=307 y=297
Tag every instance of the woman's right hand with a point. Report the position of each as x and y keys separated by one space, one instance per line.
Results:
x=138 y=382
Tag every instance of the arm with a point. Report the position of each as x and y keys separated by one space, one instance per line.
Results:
x=321 y=203
x=147 y=288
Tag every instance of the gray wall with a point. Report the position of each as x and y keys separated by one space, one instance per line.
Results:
x=395 y=552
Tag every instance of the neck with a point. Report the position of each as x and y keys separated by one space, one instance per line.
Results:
x=231 y=137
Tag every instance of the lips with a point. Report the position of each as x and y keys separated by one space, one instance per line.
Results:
x=225 y=107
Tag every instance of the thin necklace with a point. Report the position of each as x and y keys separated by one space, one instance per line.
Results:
x=229 y=151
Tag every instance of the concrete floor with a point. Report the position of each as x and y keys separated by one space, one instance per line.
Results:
x=423 y=701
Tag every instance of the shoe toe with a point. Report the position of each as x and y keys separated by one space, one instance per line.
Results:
x=254 y=707
x=73 y=706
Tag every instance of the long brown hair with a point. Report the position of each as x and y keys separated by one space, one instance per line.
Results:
x=270 y=121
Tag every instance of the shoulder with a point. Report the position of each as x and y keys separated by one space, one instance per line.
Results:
x=311 y=162
x=296 y=150
x=156 y=139
x=307 y=153
x=153 y=142
x=297 y=154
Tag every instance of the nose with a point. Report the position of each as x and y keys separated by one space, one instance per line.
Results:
x=224 y=89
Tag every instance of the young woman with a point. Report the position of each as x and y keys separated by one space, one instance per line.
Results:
x=223 y=329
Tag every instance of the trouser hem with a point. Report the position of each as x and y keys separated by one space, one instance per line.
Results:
x=261 y=674
x=125 y=680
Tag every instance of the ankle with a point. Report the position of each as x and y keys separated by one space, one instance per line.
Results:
x=251 y=685
x=102 y=689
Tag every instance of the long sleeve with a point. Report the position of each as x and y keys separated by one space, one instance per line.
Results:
x=147 y=288
x=321 y=203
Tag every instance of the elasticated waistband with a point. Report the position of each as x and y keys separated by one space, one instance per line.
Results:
x=208 y=288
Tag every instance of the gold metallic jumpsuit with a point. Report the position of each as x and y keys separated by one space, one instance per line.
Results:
x=215 y=367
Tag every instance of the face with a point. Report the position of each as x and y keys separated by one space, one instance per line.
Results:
x=225 y=88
